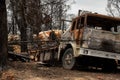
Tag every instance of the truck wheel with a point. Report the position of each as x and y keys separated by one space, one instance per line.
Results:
x=68 y=60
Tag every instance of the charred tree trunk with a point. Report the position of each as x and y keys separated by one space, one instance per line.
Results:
x=23 y=27
x=3 y=35
x=14 y=19
x=38 y=21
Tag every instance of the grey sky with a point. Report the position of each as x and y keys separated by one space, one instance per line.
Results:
x=90 y=5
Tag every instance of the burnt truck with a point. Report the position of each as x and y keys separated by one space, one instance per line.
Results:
x=92 y=39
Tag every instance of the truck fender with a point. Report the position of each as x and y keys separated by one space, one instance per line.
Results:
x=61 y=50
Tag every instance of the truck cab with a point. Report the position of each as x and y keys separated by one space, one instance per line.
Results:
x=92 y=38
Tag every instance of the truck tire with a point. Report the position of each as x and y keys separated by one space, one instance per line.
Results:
x=68 y=60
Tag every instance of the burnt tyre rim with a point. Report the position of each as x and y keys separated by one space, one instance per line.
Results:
x=68 y=60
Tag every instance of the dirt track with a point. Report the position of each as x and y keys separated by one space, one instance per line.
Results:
x=33 y=71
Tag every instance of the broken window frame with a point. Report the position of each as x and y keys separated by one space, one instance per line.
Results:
x=95 y=20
